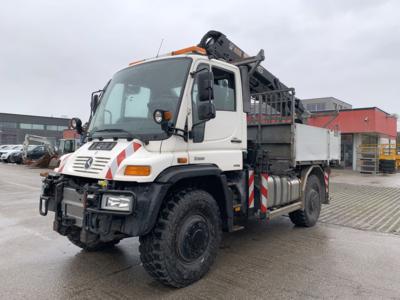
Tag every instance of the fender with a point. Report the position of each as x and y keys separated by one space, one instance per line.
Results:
x=173 y=175
x=304 y=177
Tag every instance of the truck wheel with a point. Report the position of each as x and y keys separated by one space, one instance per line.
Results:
x=308 y=216
x=95 y=245
x=184 y=242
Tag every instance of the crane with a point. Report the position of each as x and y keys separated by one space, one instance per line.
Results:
x=218 y=46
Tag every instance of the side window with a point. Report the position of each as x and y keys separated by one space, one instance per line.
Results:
x=224 y=90
x=112 y=109
x=136 y=103
x=197 y=131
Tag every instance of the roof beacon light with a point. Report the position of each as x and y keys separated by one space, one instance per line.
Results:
x=192 y=49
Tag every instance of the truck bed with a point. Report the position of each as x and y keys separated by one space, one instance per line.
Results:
x=296 y=144
x=272 y=127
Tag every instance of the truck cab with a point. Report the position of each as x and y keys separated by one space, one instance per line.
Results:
x=166 y=84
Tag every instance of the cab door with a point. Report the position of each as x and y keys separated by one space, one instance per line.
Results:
x=219 y=141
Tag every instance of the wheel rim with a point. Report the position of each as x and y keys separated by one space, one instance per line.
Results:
x=193 y=238
x=313 y=202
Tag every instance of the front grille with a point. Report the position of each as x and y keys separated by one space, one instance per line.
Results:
x=98 y=165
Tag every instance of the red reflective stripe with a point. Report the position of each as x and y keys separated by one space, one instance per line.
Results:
x=62 y=163
x=326 y=177
x=264 y=191
x=121 y=157
x=109 y=174
x=251 y=198
x=263 y=208
x=251 y=188
x=251 y=179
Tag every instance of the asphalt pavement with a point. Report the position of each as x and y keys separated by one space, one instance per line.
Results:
x=272 y=260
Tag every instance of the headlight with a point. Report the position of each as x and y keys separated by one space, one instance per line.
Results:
x=117 y=202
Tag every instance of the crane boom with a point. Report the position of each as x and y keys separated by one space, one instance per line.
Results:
x=218 y=46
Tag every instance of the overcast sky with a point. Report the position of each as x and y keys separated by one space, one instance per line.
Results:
x=54 y=53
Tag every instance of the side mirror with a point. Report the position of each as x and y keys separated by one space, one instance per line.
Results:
x=205 y=83
x=76 y=123
x=206 y=111
x=94 y=102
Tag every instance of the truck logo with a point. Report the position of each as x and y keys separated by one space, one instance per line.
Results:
x=88 y=163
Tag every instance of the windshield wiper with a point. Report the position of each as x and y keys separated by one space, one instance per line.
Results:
x=129 y=137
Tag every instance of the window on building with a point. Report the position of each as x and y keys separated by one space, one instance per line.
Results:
x=31 y=126
x=8 y=125
x=310 y=107
x=38 y=126
x=316 y=106
x=52 y=127
x=369 y=139
x=320 y=106
x=25 y=126
x=62 y=128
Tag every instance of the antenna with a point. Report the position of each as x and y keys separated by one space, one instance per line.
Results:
x=158 y=52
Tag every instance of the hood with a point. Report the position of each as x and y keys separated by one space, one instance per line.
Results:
x=107 y=160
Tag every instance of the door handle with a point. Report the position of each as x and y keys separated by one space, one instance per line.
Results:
x=236 y=140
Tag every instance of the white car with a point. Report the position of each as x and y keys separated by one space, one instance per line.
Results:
x=5 y=153
x=5 y=148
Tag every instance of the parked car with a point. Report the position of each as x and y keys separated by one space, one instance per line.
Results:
x=33 y=152
x=15 y=157
x=36 y=152
x=5 y=148
x=5 y=154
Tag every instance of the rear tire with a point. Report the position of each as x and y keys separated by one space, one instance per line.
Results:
x=308 y=216
x=185 y=240
x=92 y=246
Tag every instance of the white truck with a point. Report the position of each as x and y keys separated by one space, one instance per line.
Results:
x=182 y=147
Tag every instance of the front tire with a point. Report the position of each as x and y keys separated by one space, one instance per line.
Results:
x=308 y=216
x=183 y=244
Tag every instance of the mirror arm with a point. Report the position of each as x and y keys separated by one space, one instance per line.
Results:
x=178 y=132
x=198 y=71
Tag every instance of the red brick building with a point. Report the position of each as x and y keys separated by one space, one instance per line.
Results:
x=358 y=126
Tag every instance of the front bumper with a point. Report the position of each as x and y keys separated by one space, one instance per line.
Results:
x=77 y=205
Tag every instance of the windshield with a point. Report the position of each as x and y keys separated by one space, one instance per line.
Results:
x=133 y=95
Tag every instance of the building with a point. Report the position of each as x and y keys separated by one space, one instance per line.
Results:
x=14 y=127
x=325 y=104
x=360 y=126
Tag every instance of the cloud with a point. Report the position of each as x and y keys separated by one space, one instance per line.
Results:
x=54 y=53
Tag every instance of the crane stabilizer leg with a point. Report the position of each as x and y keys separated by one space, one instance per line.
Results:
x=218 y=46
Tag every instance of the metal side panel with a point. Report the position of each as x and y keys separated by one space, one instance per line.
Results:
x=313 y=144
x=334 y=145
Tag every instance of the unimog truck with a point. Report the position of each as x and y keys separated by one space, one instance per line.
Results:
x=182 y=147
